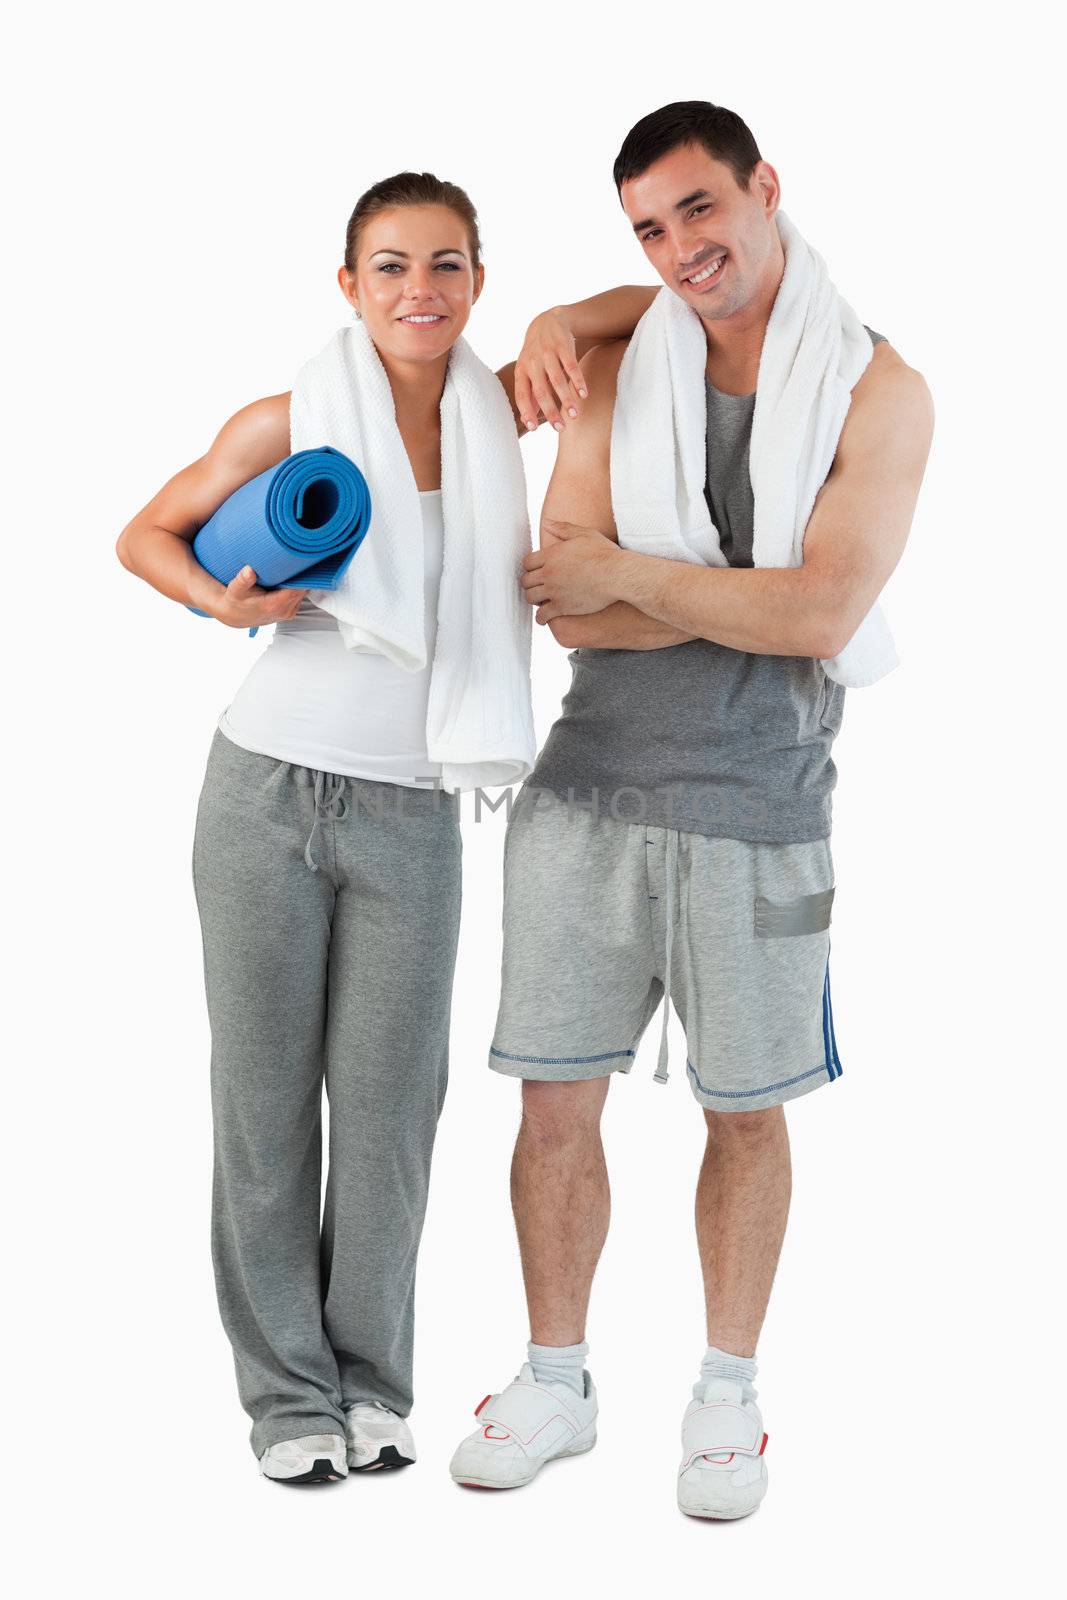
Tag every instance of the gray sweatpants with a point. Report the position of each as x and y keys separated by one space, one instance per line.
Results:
x=341 y=975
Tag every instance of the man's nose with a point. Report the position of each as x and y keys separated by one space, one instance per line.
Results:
x=686 y=256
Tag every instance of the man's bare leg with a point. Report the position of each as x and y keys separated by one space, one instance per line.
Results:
x=559 y=1192
x=742 y=1204
x=562 y=1202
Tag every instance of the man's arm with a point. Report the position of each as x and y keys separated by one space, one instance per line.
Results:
x=854 y=539
x=580 y=488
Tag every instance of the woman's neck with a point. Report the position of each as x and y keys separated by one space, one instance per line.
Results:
x=417 y=388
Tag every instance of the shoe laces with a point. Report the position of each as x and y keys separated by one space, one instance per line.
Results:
x=373 y=1411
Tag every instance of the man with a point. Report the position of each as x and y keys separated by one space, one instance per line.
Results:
x=674 y=835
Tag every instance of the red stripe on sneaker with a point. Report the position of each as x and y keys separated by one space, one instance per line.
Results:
x=481 y=1403
x=763 y=1446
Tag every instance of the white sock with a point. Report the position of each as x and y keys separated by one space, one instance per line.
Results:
x=720 y=1364
x=559 y=1363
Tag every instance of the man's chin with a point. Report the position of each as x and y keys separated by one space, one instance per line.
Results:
x=709 y=307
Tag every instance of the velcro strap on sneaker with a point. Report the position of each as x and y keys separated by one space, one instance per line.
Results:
x=524 y=1410
x=719 y=1428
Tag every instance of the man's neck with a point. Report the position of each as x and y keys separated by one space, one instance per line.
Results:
x=736 y=343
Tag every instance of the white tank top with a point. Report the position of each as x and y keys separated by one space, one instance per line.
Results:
x=311 y=701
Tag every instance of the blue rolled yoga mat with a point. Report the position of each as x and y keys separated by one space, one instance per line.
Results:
x=298 y=524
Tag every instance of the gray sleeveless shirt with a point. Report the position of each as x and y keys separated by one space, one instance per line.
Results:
x=697 y=736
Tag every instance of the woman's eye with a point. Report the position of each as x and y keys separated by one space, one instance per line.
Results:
x=390 y=266
x=449 y=266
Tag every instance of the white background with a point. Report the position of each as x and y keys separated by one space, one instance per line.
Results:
x=179 y=182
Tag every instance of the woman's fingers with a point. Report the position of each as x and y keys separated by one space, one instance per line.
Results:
x=283 y=605
x=261 y=606
x=241 y=586
x=549 y=381
x=525 y=404
x=546 y=400
x=565 y=395
x=573 y=368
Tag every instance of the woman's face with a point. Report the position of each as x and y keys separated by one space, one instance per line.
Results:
x=414 y=282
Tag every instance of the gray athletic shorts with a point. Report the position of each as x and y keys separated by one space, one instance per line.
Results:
x=587 y=906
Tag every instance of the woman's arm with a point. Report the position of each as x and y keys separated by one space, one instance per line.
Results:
x=613 y=314
x=545 y=384
x=157 y=544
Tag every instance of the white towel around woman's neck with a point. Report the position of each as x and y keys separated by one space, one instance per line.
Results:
x=479 y=721
x=814 y=352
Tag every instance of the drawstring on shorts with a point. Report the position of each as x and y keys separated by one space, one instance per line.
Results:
x=329 y=796
x=670 y=873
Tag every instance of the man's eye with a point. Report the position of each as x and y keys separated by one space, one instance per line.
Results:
x=650 y=235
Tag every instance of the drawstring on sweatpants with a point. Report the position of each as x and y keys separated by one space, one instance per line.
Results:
x=670 y=873
x=329 y=795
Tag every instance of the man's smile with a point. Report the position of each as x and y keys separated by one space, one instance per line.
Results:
x=703 y=277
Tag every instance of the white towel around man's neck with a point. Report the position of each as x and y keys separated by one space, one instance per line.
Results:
x=479 y=722
x=814 y=351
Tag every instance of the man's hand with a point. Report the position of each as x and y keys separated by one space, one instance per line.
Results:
x=574 y=574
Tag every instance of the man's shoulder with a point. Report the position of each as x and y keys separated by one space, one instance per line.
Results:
x=601 y=368
x=588 y=435
x=891 y=404
x=888 y=376
x=604 y=360
x=890 y=394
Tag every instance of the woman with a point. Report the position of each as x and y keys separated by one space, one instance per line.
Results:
x=327 y=874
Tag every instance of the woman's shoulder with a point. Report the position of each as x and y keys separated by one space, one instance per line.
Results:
x=264 y=418
x=254 y=438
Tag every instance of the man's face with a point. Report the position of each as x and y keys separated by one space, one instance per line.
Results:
x=710 y=241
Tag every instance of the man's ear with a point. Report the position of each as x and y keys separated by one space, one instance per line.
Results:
x=767 y=186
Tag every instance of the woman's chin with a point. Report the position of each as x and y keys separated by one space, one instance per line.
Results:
x=407 y=344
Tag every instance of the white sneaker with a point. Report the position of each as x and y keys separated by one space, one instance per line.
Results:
x=315 y=1458
x=723 y=1474
x=521 y=1428
x=377 y=1437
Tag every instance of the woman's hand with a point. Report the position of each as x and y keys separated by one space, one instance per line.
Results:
x=549 y=385
x=243 y=604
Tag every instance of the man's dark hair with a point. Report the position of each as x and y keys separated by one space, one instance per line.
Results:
x=721 y=133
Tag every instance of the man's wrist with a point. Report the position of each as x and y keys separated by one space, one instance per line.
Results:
x=625 y=575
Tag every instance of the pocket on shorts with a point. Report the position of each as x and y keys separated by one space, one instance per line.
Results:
x=785 y=919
